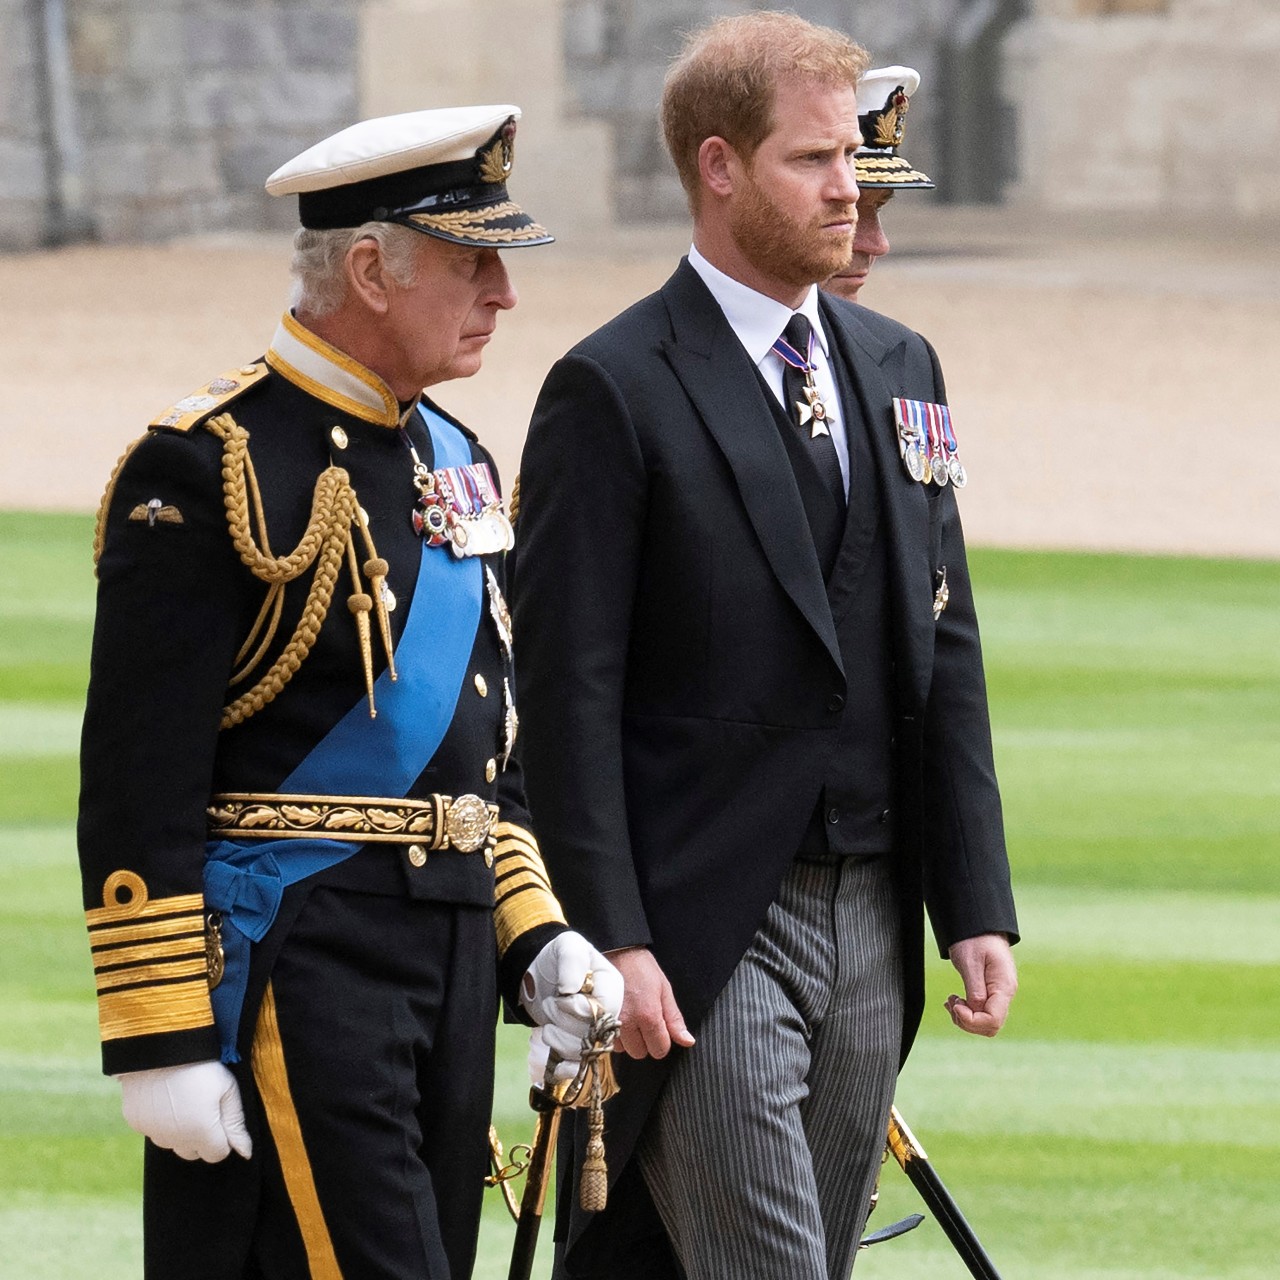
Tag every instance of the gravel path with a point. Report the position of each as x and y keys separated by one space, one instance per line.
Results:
x=1111 y=388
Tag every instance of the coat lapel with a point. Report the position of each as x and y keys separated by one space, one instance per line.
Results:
x=716 y=374
x=876 y=370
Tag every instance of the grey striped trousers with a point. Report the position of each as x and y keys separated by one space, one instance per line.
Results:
x=762 y=1151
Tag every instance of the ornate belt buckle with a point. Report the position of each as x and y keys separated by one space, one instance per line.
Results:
x=466 y=823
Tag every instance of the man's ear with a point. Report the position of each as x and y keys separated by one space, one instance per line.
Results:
x=367 y=279
x=719 y=166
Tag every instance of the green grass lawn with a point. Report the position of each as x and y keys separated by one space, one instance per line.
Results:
x=1126 y=1126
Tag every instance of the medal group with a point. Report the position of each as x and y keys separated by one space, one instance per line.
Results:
x=927 y=443
x=460 y=506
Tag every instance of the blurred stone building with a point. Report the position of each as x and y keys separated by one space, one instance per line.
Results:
x=1164 y=107
x=141 y=119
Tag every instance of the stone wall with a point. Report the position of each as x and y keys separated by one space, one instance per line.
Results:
x=1166 y=110
x=23 y=182
x=183 y=107
x=496 y=51
x=617 y=53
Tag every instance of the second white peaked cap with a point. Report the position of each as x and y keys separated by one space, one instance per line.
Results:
x=877 y=84
x=442 y=172
x=884 y=94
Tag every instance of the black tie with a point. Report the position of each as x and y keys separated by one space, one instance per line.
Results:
x=821 y=447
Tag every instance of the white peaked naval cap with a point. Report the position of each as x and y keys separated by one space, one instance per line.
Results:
x=884 y=94
x=443 y=172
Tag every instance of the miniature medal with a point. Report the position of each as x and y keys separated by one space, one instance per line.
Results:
x=955 y=468
x=937 y=451
x=914 y=457
x=912 y=445
x=911 y=452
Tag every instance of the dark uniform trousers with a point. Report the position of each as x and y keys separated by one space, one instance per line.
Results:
x=346 y=1188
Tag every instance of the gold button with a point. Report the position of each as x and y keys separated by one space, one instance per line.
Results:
x=418 y=855
x=488 y=856
x=339 y=437
x=491 y=771
x=247 y=369
x=482 y=685
x=364 y=515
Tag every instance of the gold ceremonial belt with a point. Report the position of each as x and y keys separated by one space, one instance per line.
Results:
x=463 y=823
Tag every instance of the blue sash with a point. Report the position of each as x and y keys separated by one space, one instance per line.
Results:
x=360 y=755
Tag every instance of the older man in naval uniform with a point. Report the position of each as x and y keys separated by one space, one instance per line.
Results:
x=307 y=862
x=756 y=733
x=880 y=169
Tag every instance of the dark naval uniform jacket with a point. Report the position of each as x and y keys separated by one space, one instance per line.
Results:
x=703 y=661
x=232 y=561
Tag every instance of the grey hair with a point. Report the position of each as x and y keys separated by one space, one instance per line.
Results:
x=318 y=256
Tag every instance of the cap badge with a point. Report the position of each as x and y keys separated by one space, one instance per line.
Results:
x=497 y=159
x=889 y=123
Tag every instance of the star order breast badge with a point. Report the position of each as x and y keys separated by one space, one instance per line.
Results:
x=813 y=413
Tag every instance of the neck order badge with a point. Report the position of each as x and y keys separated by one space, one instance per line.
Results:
x=797 y=379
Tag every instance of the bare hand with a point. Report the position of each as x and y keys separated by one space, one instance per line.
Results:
x=990 y=981
x=651 y=1019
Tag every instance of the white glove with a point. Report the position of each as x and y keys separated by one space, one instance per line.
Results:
x=538 y=1055
x=552 y=992
x=194 y=1110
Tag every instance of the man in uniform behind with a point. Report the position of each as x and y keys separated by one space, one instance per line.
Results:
x=884 y=94
x=301 y=824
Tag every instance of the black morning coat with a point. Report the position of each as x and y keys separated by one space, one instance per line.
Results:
x=682 y=675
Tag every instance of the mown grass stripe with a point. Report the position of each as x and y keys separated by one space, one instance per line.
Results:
x=1151 y=1093
x=1070 y=924
x=1127 y=1126
x=38 y=729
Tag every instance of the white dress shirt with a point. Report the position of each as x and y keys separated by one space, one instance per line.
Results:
x=758 y=321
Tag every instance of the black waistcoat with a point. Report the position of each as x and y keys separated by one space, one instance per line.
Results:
x=854 y=813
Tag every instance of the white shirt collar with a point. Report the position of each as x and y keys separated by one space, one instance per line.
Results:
x=757 y=319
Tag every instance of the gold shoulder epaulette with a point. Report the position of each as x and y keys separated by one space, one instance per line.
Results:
x=192 y=410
